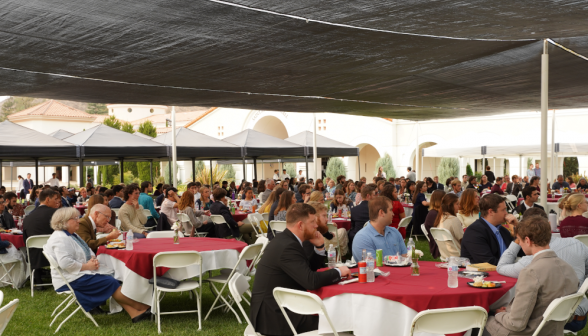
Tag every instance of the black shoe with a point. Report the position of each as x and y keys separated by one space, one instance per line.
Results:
x=97 y=311
x=145 y=316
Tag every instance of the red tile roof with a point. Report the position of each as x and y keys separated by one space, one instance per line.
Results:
x=52 y=108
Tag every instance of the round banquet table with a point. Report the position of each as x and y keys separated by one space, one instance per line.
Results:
x=135 y=268
x=81 y=209
x=342 y=223
x=240 y=215
x=16 y=240
x=387 y=306
x=407 y=209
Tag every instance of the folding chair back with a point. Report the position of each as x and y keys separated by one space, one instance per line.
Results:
x=255 y=219
x=582 y=238
x=441 y=236
x=332 y=228
x=251 y=252
x=302 y=303
x=6 y=313
x=116 y=211
x=278 y=226
x=220 y=220
x=146 y=212
x=29 y=209
x=560 y=309
x=449 y=320
x=424 y=228
x=404 y=222
x=35 y=242
x=164 y=234
x=511 y=198
x=265 y=216
x=238 y=285
x=176 y=259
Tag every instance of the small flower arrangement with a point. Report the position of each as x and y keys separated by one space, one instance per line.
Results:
x=176 y=227
x=415 y=268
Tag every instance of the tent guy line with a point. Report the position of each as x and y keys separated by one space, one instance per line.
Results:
x=567 y=49
x=361 y=28
x=227 y=91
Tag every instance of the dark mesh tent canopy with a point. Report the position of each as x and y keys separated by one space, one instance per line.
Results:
x=19 y=143
x=325 y=147
x=191 y=144
x=259 y=145
x=412 y=60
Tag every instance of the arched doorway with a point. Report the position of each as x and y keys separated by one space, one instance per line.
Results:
x=273 y=126
x=368 y=155
x=428 y=165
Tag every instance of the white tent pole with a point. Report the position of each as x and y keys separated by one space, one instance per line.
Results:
x=314 y=153
x=552 y=148
x=521 y=167
x=494 y=169
x=544 y=106
x=174 y=153
x=417 y=153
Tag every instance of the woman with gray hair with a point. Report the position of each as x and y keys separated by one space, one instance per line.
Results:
x=79 y=267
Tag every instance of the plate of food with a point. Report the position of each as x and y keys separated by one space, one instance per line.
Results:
x=115 y=241
x=397 y=261
x=115 y=246
x=480 y=283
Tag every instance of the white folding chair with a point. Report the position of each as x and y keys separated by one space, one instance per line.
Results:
x=6 y=313
x=333 y=230
x=255 y=219
x=116 y=211
x=265 y=216
x=277 y=226
x=449 y=320
x=238 y=285
x=424 y=228
x=250 y=252
x=220 y=220
x=404 y=222
x=117 y=223
x=28 y=209
x=184 y=218
x=563 y=308
x=178 y=259
x=35 y=242
x=146 y=212
x=511 y=198
x=164 y=234
x=302 y=303
x=582 y=238
x=70 y=297
x=441 y=236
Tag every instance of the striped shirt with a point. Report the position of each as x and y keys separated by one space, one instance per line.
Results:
x=569 y=250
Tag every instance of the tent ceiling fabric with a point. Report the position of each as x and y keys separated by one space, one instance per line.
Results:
x=325 y=146
x=260 y=145
x=191 y=144
x=215 y=54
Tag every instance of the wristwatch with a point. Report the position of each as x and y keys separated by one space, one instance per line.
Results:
x=320 y=247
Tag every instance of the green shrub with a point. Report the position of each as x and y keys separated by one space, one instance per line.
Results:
x=469 y=170
x=448 y=167
x=387 y=166
x=336 y=167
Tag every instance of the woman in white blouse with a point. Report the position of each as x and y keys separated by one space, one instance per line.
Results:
x=249 y=201
x=446 y=219
x=469 y=211
x=80 y=268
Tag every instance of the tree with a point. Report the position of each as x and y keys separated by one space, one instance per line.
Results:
x=290 y=169
x=570 y=166
x=336 y=167
x=230 y=172
x=447 y=167
x=147 y=128
x=8 y=108
x=387 y=166
x=94 y=108
x=127 y=127
x=469 y=171
x=130 y=166
x=112 y=122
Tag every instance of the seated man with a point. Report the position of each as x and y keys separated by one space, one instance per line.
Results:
x=303 y=194
x=569 y=250
x=99 y=216
x=378 y=234
x=6 y=219
x=64 y=200
x=220 y=208
x=360 y=214
x=117 y=201
x=321 y=220
x=560 y=183
x=147 y=203
x=531 y=195
x=545 y=279
x=285 y=264
x=486 y=239
x=169 y=207
x=71 y=196
x=131 y=213
x=497 y=187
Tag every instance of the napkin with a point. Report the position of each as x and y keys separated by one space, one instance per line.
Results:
x=348 y=281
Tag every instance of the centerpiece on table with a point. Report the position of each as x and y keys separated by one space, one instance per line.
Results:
x=415 y=268
x=176 y=227
x=407 y=198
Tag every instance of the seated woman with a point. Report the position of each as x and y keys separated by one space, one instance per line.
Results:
x=350 y=192
x=446 y=219
x=319 y=186
x=582 y=185
x=317 y=196
x=330 y=190
x=570 y=181
x=80 y=268
x=204 y=202
x=434 y=209
x=10 y=254
x=131 y=213
x=484 y=184
x=249 y=200
x=472 y=182
x=158 y=189
x=340 y=202
x=288 y=198
x=83 y=197
x=469 y=211
x=431 y=185
x=198 y=219
x=574 y=224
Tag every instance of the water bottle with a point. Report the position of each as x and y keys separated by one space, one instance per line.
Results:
x=452 y=269
x=410 y=246
x=561 y=190
x=363 y=254
x=370 y=264
x=553 y=220
x=332 y=254
x=330 y=220
x=130 y=238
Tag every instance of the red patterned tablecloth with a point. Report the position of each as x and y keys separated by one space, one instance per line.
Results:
x=427 y=291
x=16 y=240
x=140 y=259
x=342 y=223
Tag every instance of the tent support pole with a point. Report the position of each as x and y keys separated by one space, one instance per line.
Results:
x=122 y=169
x=544 y=106
x=306 y=161
x=174 y=149
x=68 y=179
x=521 y=167
x=553 y=174
x=417 y=153
x=1 y=172
x=151 y=172
x=315 y=170
x=81 y=172
x=11 y=174
x=358 y=168
x=193 y=170
x=211 y=182
x=255 y=169
x=244 y=171
x=170 y=172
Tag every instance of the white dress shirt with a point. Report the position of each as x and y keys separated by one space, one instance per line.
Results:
x=54 y=182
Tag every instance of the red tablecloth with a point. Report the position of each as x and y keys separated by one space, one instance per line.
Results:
x=240 y=215
x=549 y=200
x=81 y=208
x=16 y=240
x=406 y=205
x=140 y=259
x=342 y=223
x=427 y=291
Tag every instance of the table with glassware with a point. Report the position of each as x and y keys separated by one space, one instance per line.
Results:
x=407 y=209
x=135 y=267
x=342 y=223
x=15 y=239
x=81 y=208
x=388 y=305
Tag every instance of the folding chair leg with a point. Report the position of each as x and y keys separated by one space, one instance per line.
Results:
x=67 y=318
x=68 y=297
x=158 y=314
x=215 y=291
x=199 y=309
x=32 y=281
x=71 y=300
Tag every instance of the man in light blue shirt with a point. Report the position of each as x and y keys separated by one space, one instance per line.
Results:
x=537 y=170
x=147 y=202
x=531 y=171
x=377 y=234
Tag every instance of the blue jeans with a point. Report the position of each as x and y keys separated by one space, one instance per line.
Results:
x=576 y=326
x=138 y=235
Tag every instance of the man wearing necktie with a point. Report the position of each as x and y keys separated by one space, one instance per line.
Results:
x=28 y=184
x=486 y=239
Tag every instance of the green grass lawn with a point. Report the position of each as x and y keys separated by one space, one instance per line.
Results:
x=33 y=315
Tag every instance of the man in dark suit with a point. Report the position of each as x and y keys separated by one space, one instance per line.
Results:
x=64 y=200
x=28 y=184
x=6 y=219
x=38 y=222
x=531 y=195
x=220 y=208
x=285 y=264
x=360 y=214
x=303 y=194
x=486 y=239
x=99 y=215
x=118 y=200
x=440 y=186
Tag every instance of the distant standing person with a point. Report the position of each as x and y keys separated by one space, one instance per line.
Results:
x=490 y=175
x=381 y=172
x=20 y=189
x=276 y=175
x=537 y=170
x=28 y=184
x=90 y=180
x=410 y=175
x=531 y=170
